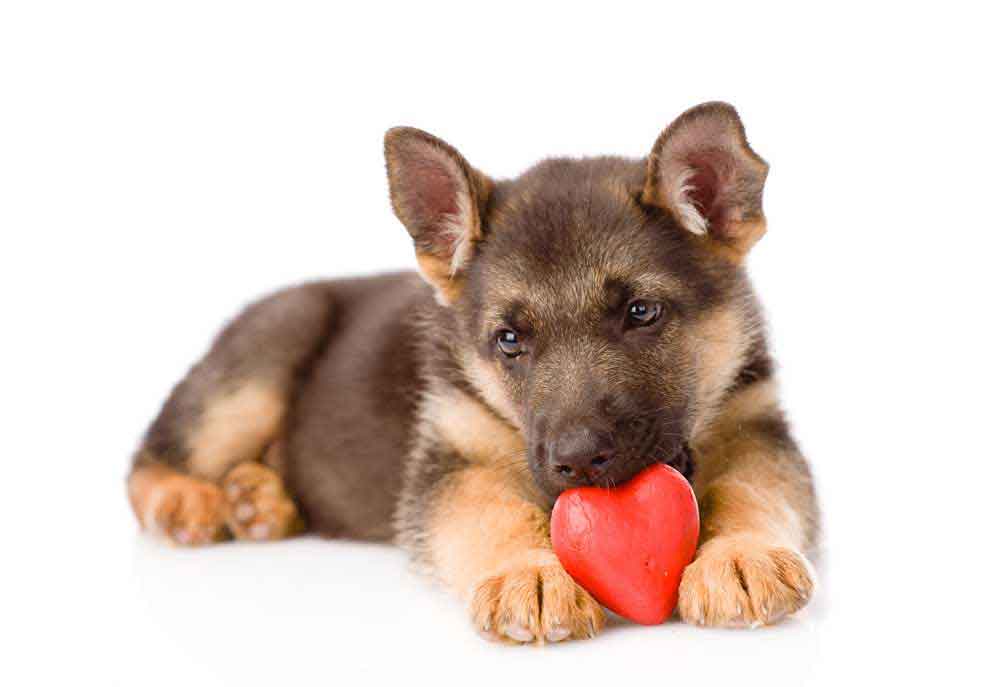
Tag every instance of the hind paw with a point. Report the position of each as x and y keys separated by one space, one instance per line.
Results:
x=185 y=510
x=257 y=505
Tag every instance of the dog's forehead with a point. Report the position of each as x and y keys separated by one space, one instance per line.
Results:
x=569 y=238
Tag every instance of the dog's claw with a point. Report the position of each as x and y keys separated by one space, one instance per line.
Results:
x=518 y=633
x=557 y=634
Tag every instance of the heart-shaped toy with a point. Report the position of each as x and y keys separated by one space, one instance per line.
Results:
x=628 y=546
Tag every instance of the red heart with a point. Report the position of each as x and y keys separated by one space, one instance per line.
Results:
x=628 y=546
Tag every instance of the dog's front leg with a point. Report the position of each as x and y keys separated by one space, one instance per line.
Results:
x=758 y=516
x=491 y=545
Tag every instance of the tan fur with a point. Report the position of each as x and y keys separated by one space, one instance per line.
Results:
x=235 y=427
x=534 y=603
x=745 y=234
x=743 y=580
x=747 y=403
x=745 y=482
x=718 y=342
x=492 y=546
x=257 y=505
x=183 y=509
x=757 y=512
x=472 y=429
x=437 y=272
x=486 y=378
x=480 y=525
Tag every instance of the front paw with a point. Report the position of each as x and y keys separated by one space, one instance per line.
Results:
x=535 y=602
x=741 y=581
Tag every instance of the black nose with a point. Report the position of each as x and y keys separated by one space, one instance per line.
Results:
x=580 y=455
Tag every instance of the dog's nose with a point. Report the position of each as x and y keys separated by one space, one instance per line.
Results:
x=580 y=455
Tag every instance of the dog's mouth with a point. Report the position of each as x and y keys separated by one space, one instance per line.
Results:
x=681 y=459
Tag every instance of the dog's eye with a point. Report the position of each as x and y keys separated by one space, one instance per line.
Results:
x=509 y=343
x=643 y=313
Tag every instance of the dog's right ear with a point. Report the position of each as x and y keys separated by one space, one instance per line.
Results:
x=440 y=199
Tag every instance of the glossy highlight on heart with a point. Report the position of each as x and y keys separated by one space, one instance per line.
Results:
x=629 y=545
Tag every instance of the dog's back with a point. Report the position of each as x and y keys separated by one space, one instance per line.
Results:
x=352 y=422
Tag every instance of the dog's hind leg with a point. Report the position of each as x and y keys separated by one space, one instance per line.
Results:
x=257 y=504
x=200 y=474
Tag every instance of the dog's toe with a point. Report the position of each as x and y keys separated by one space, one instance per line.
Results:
x=187 y=511
x=743 y=582
x=258 y=507
x=535 y=603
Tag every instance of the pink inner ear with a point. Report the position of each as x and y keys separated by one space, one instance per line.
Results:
x=704 y=189
x=434 y=196
x=711 y=170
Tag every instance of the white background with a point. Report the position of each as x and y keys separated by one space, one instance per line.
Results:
x=161 y=164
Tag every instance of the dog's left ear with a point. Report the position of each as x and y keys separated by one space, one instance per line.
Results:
x=440 y=199
x=702 y=171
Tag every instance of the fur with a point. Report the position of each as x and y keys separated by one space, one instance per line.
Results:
x=384 y=409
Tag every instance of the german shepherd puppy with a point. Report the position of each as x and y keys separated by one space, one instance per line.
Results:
x=572 y=326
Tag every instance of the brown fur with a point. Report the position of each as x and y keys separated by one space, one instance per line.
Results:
x=384 y=408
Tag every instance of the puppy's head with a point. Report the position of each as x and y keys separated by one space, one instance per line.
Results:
x=600 y=305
